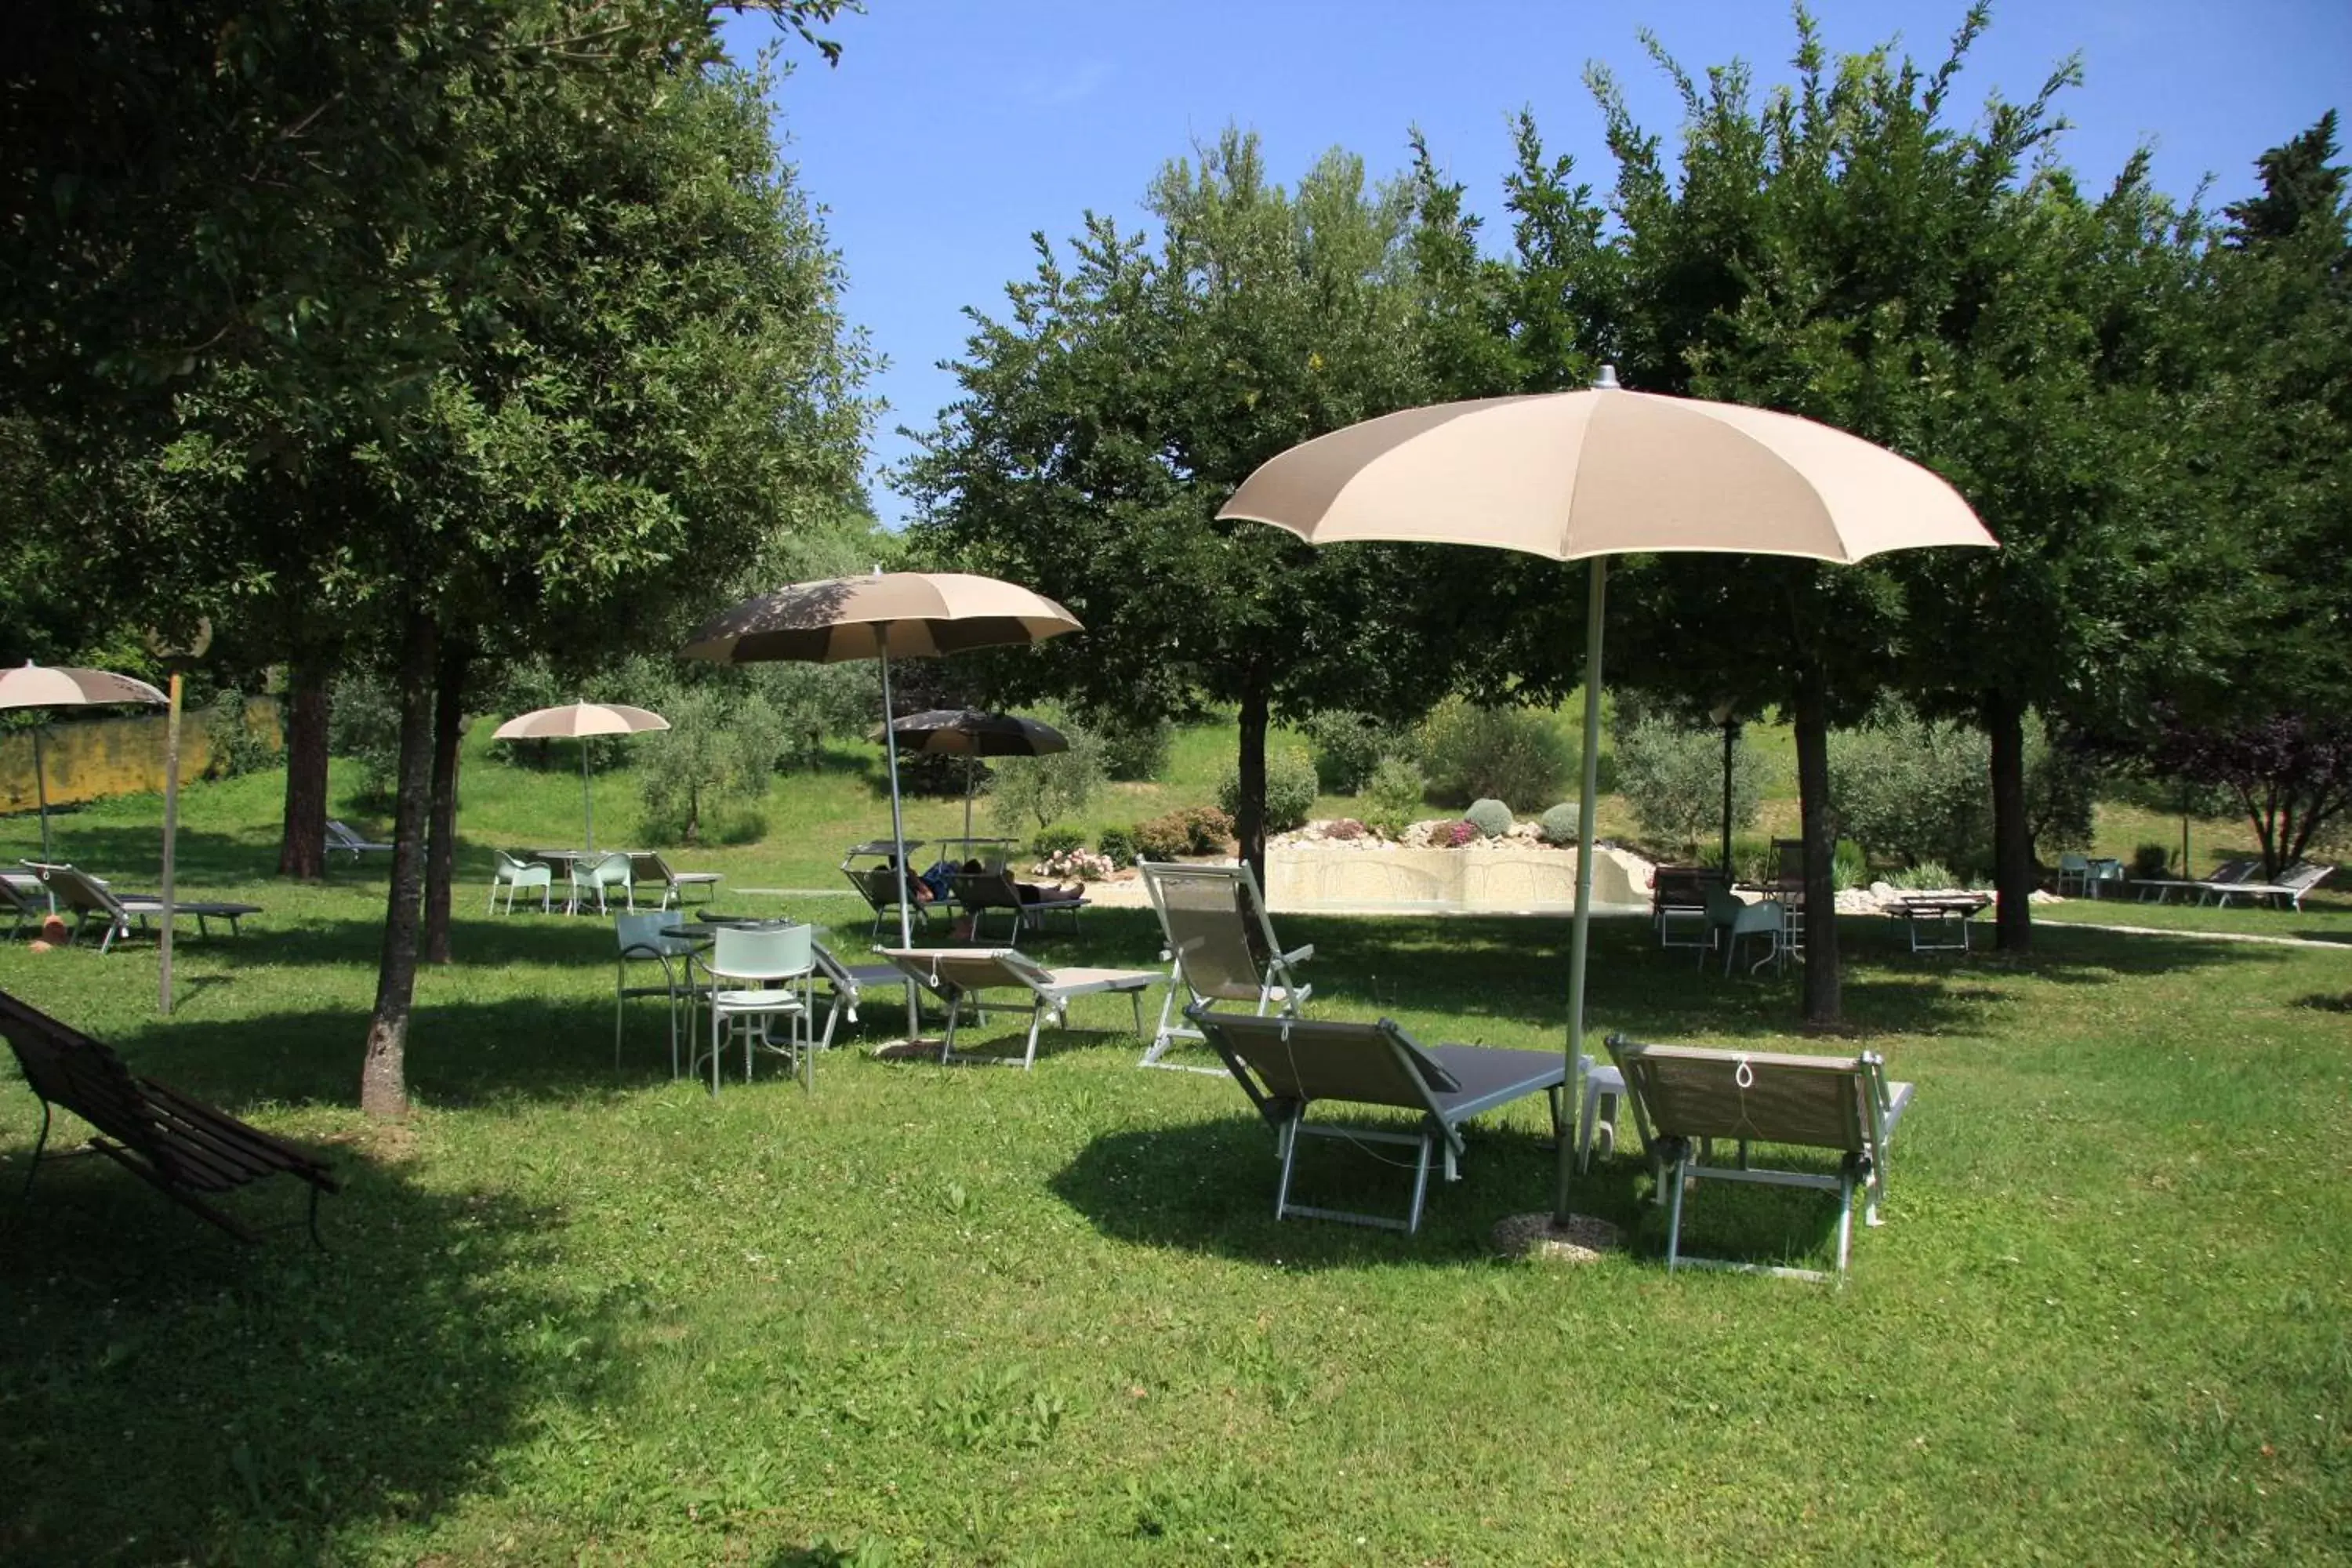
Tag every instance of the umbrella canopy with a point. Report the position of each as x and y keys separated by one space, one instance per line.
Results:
x=911 y=614
x=970 y=732
x=577 y=720
x=924 y=613
x=1578 y=474
x=61 y=686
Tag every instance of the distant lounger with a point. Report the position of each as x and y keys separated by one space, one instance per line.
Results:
x=958 y=974
x=343 y=838
x=186 y=1150
x=93 y=901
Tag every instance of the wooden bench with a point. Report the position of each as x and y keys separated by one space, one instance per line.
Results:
x=184 y=1150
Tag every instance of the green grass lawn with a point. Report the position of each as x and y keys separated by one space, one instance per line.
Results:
x=972 y=1315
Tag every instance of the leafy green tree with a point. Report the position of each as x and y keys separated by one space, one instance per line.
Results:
x=1672 y=775
x=1124 y=396
x=712 y=768
x=1028 y=794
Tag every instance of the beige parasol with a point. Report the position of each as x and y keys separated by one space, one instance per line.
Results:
x=1578 y=474
x=578 y=721
x=59 y=686
x=909 y=614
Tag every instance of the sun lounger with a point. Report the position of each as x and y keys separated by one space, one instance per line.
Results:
x=91 y=900
x=21 y=900
x=878 y=885
x=1938 y=923
x=2228 y=873
x=978 y=892
x=648 y=869
x=1286 y=1064
x=956 y=974
x=343 y=838
x=847 y=983
x=1220 y=946
x=186 y=1150
x=1684 y=1097
x=2289 y=889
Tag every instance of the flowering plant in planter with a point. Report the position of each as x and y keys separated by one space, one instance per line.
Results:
x=1075 y=865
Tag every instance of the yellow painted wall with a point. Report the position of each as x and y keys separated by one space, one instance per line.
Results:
x=92 y=759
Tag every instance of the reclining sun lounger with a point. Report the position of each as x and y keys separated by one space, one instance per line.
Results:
x=91 y=900
x=956 y=973
x=343 y=838
x=21 y=900
x=1285 y=1065
x=1220 y=946
x=978 y=892
x=1686 y=1097
x=2293 y=884
x=2228 y=873
x=848 y=985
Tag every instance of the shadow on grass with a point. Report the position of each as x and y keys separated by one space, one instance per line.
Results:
x=175 y=1397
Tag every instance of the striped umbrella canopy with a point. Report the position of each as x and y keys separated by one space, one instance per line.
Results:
x=62 y=686
x=577 y=720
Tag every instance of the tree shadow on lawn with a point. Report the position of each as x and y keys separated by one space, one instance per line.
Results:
x=1209 y=1186
x=175 y=1396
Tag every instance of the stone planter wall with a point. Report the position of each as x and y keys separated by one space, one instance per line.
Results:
x=1495 y=877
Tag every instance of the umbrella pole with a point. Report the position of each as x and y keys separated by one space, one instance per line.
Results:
x=171 y=837
x=587 y=801
x=1588 y=792
x=41 y=793
x=897 y=828
x=970 y=778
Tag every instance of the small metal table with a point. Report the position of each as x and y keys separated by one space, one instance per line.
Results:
x=1943 y=916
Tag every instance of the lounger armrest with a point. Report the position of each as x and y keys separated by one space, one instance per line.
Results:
x=1299 y=955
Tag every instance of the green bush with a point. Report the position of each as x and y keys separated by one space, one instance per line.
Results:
x=1195 y=830
x=1395 y=796
x=1347 y=747
x=233 y=747
x=1117 y=846
x=1492 y=818
x=1513 y=754
x=2148 y=864
x=363 y=724
x=1928 y=875
x=1672 y=775
x=1559 y=823
x=1753 y=860
x=1848 y=866
x=1207 y=830
x=1289 y=789
x=703 y=783
x=1135 y=750
x=1031 y=792
x=1915 y=790
x=1048 y=842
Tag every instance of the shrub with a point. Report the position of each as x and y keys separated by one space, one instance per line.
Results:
x=231 y=745
x=1207 y=830
x=1117 y=847
x=1753 y=860
x=1074 y=865
x=1915 y=790
x=1347 y=747
x=363 y=724
x=1031 y=792
x=1133 y=749
x=1514 y=754
x=1492 y=818
x=1453 y=834
x=1289 y=790
x=1848 y=866
x=1395 y=796
x=1048 y=842
x=1929 y=875
x=1196 y=830
x=703 y=781
x=1672 y=775
x=1559 y=823
x=2148 y=862
x=1346 y=829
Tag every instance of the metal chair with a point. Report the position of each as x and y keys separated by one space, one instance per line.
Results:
x=773 y=966
x=648 y=938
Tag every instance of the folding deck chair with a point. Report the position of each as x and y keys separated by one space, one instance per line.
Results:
x=2229 y=874
x=2293 y=884
x=1285 y=1065
x=1686 y=1097
x=878 y=885
x=846 y=986
x=978 y=892
x=1219 y=943
x=21 y=900
x=648 y=869
x=957 y=973
x=92 y=900
x=343 y=838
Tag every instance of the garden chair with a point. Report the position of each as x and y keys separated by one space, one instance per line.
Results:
x=92 y=900
x=1685 y=1098
x=846 y=986
x=647 y=869
x=652 y=939
x=521 y=876
x=1678 y=904
x=186 y=1150
x=1219 y=943
x=1287 y=1065
x=978 y=892
x=956 y=974
x=769 y=969
x=2074 y=872
x=1729 y=918
x=595 y=876
x=342 y=837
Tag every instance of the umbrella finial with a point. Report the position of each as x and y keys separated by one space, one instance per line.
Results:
x=1607 y=380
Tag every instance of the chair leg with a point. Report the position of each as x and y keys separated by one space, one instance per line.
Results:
x=1674 y=1173
x=1290 y=1160
x=1419 y=1187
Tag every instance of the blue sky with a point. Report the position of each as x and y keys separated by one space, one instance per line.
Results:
x=952 y=130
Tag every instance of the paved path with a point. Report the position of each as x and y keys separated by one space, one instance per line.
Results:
x=2202 y=936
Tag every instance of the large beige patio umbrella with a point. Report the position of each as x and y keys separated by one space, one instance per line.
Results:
x=913 y=615
x=578 y=721
x=61 y=686
x=1586 y=475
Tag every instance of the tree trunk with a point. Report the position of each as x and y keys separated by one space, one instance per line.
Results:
x=2012 y=834
x=1823 y=1006
x=441 y=853
x=383 y=1079
x=1249 y=813
x=302 y=849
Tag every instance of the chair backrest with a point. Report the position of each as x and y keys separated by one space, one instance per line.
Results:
x=77 y=889
x=66 y=1066
x=948 y=970
x=1215 y=921
x=1682 y=887
x=2246 y=870
x=1791 y=852
x=18 y=895
x=1294 y=1061
x=776 y=953
x=2073 y=864
x=2305 y=876
x=647 y=866
x=649 y=936
x=609 y=870
x=1689 y=1091
x=511 y=862
x=991 y=890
